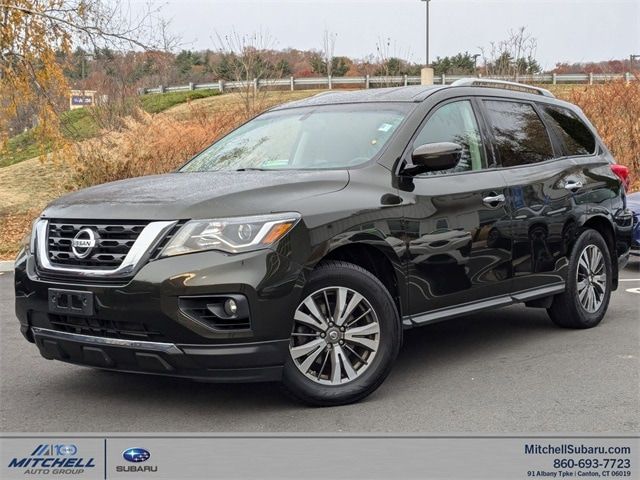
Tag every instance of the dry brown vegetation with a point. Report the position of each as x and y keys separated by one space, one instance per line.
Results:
x=614 y=109
x=146 y=146
x=152 y=144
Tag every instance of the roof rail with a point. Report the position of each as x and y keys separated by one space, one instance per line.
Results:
x=490 y=83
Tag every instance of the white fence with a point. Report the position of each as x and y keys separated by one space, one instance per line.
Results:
x=369 y=81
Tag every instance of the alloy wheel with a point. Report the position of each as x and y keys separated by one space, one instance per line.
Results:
x=591 y=278
x=336 y=335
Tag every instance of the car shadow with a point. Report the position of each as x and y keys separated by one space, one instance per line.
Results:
x=465 y=339
x=633 y=265
x=424 y=349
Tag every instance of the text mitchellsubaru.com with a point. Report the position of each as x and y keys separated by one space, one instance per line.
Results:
x=56 y=459
x=570 y=449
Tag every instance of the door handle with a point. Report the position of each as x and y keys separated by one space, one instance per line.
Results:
x=493 y=200
x=573 y=186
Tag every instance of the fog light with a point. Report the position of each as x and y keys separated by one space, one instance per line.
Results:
x=230 y=307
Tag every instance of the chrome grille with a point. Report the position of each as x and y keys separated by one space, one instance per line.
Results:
x=114 y=240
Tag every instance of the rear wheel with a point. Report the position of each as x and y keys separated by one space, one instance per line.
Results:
x=346 y=335
x=586 y=298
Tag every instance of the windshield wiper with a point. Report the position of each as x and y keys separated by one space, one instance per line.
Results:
x=250 y=169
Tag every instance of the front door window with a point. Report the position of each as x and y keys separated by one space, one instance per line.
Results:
x=455 y=122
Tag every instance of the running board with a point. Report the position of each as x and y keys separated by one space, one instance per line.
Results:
x=477 y=306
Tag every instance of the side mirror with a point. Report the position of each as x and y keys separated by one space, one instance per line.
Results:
x=434 y=156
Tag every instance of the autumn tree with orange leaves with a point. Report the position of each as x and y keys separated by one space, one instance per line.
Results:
x=36 y=34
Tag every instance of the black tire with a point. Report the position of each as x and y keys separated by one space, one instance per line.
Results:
x=567 y=310
x=343 y=274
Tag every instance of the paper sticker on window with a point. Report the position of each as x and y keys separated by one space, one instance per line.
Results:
x=385 y=127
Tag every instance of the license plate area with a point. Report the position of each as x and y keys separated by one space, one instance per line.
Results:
x=71 y=302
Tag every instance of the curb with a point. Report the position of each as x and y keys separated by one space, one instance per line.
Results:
x=6 y=266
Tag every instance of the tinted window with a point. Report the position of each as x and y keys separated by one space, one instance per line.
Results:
x=577 y=138
x=455 y=122
x=520 y=136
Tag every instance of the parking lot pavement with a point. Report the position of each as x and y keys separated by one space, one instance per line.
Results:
x=509 y=370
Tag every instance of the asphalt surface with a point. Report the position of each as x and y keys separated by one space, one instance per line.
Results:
x=507 y=371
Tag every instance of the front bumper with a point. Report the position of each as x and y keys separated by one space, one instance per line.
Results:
x=250 y=362
x=181 y=345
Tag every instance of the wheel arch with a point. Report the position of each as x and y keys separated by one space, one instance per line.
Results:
x=380 y=260
x=604 y=227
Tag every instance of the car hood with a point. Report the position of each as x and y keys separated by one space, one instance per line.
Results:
x=176 y=196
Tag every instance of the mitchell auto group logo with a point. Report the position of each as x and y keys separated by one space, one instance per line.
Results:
x=53 y=459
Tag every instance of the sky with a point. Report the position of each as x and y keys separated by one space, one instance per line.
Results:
x=566 y=30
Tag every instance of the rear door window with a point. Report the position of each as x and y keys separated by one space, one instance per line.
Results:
x=575 y=135
x=519 y=135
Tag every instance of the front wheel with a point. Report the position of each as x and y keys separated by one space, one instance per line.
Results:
x=346 y=336
x=586 y=298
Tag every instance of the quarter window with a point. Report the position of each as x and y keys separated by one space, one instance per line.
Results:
x=455 y=122
x=576 y=136
x=520 y=136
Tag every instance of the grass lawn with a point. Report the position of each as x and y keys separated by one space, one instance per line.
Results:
x=25 y=189
x=77 y=125
x=159 y=102
x=21 y=147
x=80 y=124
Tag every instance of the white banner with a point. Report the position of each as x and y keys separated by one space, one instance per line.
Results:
x=321 y=457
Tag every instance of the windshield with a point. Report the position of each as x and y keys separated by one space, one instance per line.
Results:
x=324 y=137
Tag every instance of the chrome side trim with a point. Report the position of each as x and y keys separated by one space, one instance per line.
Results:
x=150 y=235
x=446 y=313
x=108 y=342
x=539 y=292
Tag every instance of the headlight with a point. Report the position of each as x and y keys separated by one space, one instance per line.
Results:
x=233 y=235
x=29 y=240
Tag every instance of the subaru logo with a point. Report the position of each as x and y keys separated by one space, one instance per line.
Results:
x=83 y=243
x=136 y=455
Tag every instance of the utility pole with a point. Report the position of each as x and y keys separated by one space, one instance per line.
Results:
x=633 y=57
x=427 y=33
x=426 y=75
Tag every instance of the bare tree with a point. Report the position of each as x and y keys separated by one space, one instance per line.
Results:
x=390 y=59
x=366 y=65
x=169 y=41
x=248 y=59
x=383 y=47
x=513 y=56
x=328 y=49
